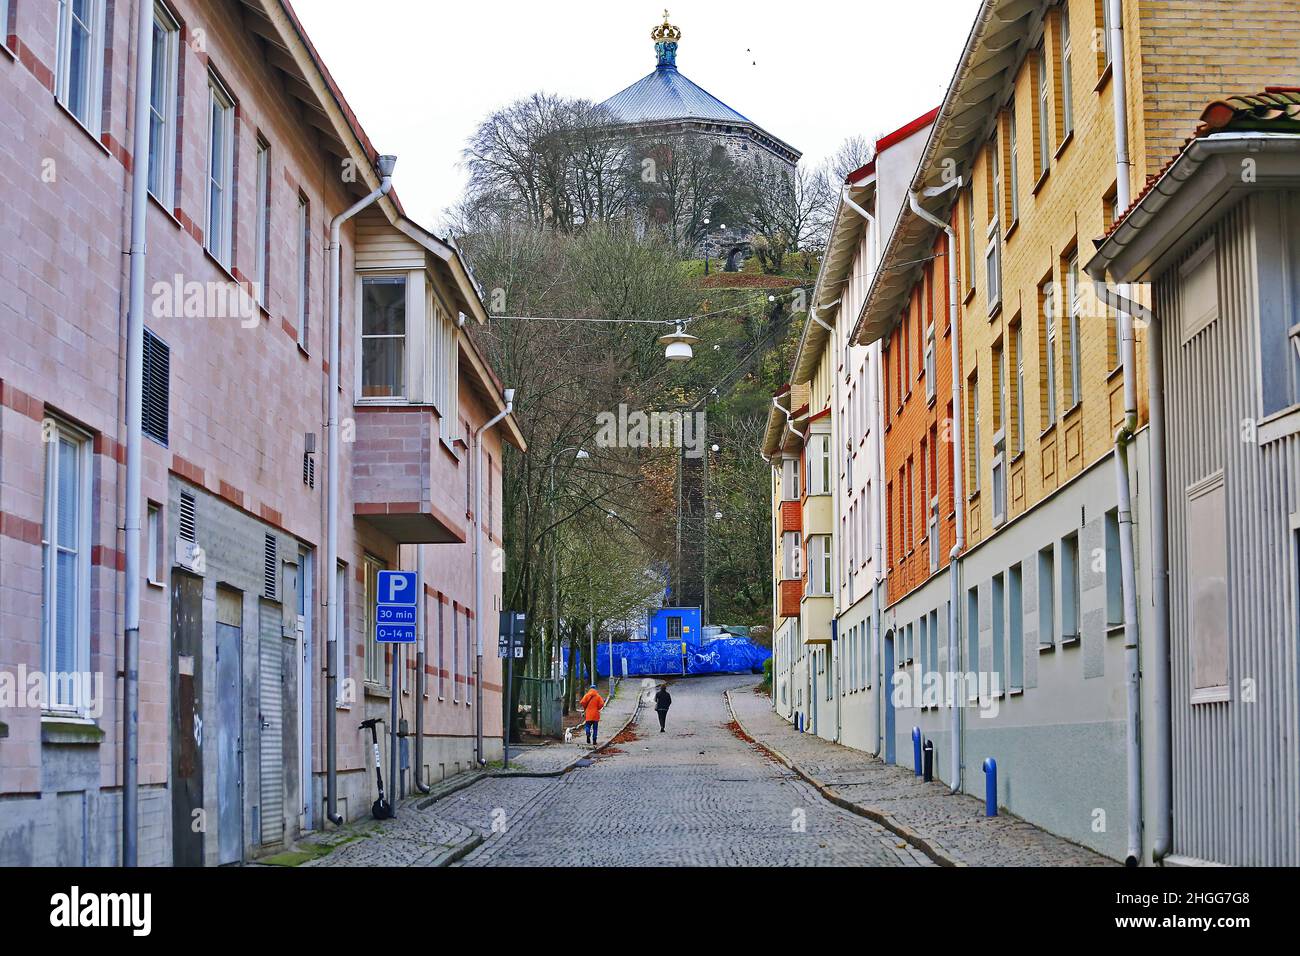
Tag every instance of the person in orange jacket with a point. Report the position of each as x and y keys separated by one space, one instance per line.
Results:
x=591 y=704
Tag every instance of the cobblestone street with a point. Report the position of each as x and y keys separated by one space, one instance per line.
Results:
x=697 y=795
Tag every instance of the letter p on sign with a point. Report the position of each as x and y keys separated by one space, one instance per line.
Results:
x=397 y=588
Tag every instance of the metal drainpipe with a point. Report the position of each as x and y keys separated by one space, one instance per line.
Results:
x=1162 y=825
x=1123 y=437
x=478 y=580
x=874 y=255
x=418 y=775
x=835 y=511
x=954 y=565
x=134 y=453
x=385 y=167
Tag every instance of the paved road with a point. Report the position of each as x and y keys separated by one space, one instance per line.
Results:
x=698 y=795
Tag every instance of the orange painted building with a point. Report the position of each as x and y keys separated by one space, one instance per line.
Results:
x=917 y=393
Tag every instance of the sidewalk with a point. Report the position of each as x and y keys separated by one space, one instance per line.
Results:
x=950 y=828
x=425 y=831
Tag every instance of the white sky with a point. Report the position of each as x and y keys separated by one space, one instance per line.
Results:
x=421 y=74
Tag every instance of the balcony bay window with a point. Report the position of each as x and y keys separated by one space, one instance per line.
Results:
x=383 y=337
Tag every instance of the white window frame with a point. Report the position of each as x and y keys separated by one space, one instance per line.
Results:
x=930 y=377
x=790 y=478
x=819 y=464
x=790 y=563
x=56 y=434
x=1071 y=590
x=220 y=172
x=91 y=84
x=164 y=113
x=932 y=530
x=361 y=337
x=1044 y=116
x=976 y=457
x=262 y=248
x=819 y=567
x=1067 y=80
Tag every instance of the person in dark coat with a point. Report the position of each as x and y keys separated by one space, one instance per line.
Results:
x=663 y=700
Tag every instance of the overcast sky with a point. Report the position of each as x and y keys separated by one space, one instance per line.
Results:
x=421 y=74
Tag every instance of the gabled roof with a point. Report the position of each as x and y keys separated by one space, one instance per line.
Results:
x=289 y=50
x=997 y=44
x=1179 y=203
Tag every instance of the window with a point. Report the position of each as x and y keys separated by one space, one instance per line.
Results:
x=469 y=660
x=790 y=569
x=221 y=167
x=1114 y=572
x=443 y=337
x=1070 y=588
x=1207 y=589
x=929 y=360
x=66 y=567
x=790 y=479
x=1046 y=598
x=155 y=415
x=819 y=464
x=1073 y=294
x=1067 y=83
x=973 y=638
x=933 y=532
x=819 y=564
x=442 y=651
x=970 y=238
x=1199 y=295
x=80 y=60
x=341 y=656
x=998 y=597
x=1016 y=630
x=156 y=544
x=455 y=654
x=162 y=104
x=383 y=337
x=1047 y=297
x=1105 y=32
x=262 y=241
x=1041 y=125
x=304 y=269
x=374 y=652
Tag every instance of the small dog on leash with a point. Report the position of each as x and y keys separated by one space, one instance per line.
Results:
x=568 y=734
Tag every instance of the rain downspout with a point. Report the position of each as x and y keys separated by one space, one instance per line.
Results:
x=385 y=169
x=134 y=431
x=837 y=568
x=954 y=566
x=878 y=428
x=1123 y=438
x=421 y=640
x=478 y=581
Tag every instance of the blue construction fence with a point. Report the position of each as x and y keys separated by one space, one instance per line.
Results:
x=726 y=655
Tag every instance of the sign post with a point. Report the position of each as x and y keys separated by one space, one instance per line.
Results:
x=396 y=597
x=510 y=646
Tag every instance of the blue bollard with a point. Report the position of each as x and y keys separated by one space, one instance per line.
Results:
x=990 y=787
x=916 y=749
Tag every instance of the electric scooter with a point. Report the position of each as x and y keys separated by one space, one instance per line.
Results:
x=381 y=808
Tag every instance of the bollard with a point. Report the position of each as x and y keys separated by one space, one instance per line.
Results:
x=916 y=750
x=990 y=787
x=928 y=761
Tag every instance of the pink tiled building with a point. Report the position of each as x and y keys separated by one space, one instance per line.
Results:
x=252 y=151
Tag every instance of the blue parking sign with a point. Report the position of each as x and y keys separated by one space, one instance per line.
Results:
x=396 y=598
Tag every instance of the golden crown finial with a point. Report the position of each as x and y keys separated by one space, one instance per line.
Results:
x=665 y=32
